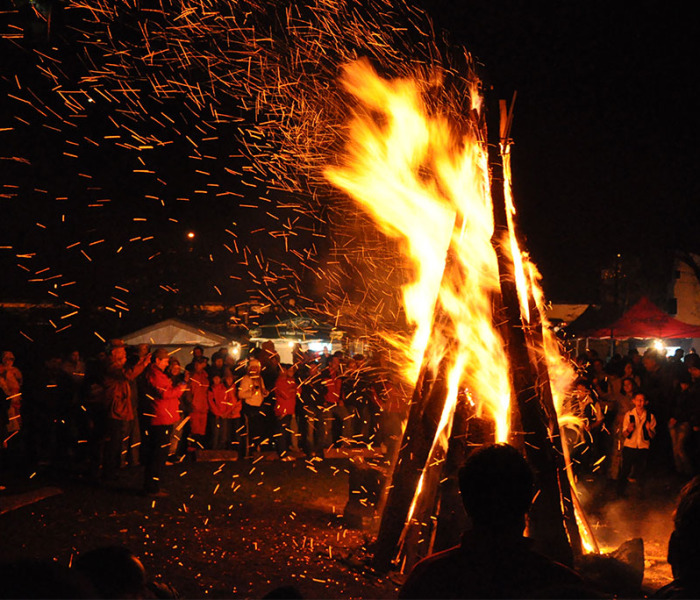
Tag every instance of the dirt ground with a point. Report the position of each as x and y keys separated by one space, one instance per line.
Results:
x=241 y=529
x=228 y=529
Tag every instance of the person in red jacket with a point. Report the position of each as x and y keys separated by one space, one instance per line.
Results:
x=160 y=413
x=121 y=417
x=234 y=409
x=221 y=409
x=286 y=390
x=335 y=414
x=199 y=402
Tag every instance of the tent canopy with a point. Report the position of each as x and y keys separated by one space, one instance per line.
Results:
x=646 y=320
x=174 y=332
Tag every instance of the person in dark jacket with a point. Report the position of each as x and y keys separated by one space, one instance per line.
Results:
x=683 y=547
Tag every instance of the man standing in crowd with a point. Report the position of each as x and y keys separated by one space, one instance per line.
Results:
x=335 y=410
x=121 y=413
x=160 y=413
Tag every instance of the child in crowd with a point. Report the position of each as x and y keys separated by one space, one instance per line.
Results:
x=638 y=428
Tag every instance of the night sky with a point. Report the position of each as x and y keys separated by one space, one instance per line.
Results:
x=605 y=127
x=603 y=162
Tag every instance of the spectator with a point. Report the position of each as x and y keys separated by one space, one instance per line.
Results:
x=234 y=405
x=286 y=390
x=11 y=387
x=217 y=365
x=679 y=425
x=221 y=412
x=198 y=403
x=693 y=407
x=180 y=432
x=621 y=405
x=136 y=364
x=310 y=413
x=494 y=560
x=197 y=352
x=336 y=418
x=121 y=417
x=394 y=410
x=159 y=414
x=589 y=410
x=683 y=547
x=657 y=386
x=639 y=427
x=359 y=397
x=74 y=366
x=252 y=391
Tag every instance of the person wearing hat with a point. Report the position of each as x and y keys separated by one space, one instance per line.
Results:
x=160 y=413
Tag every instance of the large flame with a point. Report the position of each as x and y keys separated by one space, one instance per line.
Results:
x=429 y=188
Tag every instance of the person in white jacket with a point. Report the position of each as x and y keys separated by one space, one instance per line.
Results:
x=252 y=391
x=638 y=429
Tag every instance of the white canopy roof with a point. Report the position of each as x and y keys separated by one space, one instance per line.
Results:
x=174 y=332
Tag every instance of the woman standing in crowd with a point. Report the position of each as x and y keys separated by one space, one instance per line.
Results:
x=220 y=414
x=235 y=421
x=285 y=404
x=252 y=391
x=198 y=403
x=621 y=404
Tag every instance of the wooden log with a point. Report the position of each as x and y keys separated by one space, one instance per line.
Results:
x=536 y=340
x=426 y=408
x=546 y=523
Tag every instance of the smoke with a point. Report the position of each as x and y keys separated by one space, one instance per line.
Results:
x=615 y=521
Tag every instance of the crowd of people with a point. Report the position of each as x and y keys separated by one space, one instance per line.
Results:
x=138 y=406
x=637 y=410
x=132 y=406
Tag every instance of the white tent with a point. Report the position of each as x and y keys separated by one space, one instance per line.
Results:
x=178 y=338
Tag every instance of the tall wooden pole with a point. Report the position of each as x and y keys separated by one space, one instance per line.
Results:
x=546 y=518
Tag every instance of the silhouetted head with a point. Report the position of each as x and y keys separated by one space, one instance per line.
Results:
x=683 y=547
x=497 y=488
x=113 y=571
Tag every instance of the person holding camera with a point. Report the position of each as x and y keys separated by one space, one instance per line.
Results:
x=638 y=429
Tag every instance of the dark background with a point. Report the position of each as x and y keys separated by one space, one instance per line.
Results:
x=603 y=165
x=605 y=127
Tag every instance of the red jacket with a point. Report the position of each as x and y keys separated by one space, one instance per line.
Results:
x=224 y=402
x=334 y=384
x=199 y=384
x=285 y=395
x=162 y=400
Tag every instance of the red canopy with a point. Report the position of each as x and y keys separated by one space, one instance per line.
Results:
x=646 y=320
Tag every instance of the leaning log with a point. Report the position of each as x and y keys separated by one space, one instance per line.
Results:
x=426 y=408
x=568 y=498
x=546 y=519
x=427 y=405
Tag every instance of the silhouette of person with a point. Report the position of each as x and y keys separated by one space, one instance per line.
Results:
x=494 y=560
x=115 y=572
x=683 y=546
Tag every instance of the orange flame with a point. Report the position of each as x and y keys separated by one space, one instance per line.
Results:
x=430 y=189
